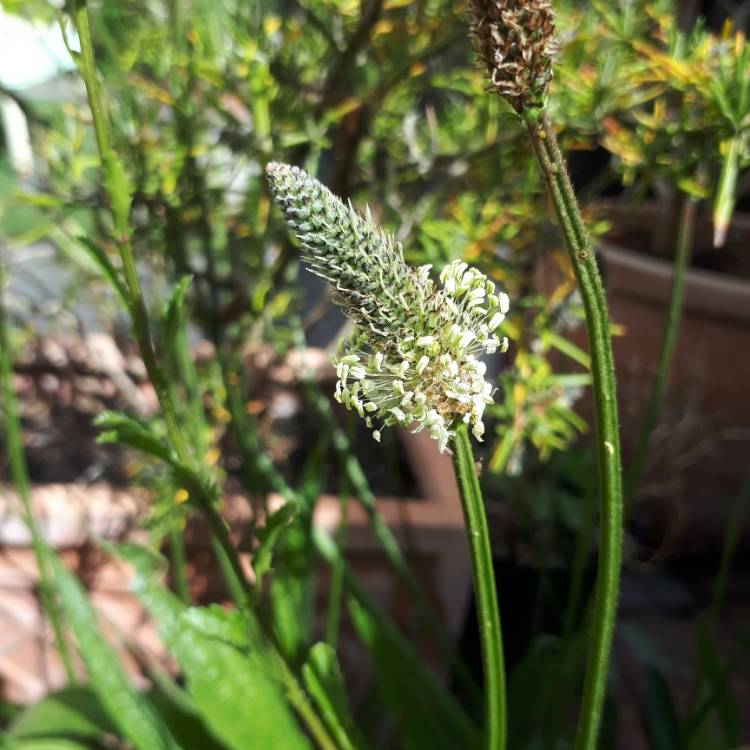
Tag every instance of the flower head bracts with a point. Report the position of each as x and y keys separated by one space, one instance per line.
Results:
x=515 y=40
x=413 y=358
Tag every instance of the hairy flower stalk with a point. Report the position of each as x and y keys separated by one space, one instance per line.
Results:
x=413 y=359
x=515 y=40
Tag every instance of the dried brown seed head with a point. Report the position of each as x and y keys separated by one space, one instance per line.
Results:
x=515 y=40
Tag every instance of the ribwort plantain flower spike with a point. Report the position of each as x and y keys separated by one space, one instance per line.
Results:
x=413 y=358
x=515 y=40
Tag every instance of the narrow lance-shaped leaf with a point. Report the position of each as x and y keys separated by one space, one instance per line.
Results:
x=127 y=709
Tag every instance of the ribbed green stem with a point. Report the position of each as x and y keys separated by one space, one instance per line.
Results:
x=671 y=331
x=582 y=256
x=20 y=479
x=485 y=593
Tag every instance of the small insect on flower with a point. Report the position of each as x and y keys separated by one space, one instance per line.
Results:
x=413 y=358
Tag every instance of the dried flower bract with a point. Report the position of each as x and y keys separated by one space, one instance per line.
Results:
x=515 y=40
x=413 y=358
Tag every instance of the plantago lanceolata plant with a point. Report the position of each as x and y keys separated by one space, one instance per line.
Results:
x=412 y=361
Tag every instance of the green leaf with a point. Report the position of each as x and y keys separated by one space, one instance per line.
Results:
x=233 y=686
x=48 y=744
x=537 y=705
x=429 y=715
x=726 y=192
x=291 y=592
x=324 y=682
x=73 y=713
x=118 y=188
x=127 y=709
x=216 y=622
x=568 y=348
x=236 y=693
x=120 y=428
x=174 y=309
x=268 y=536
x=183 y=720
x=104 y=264
x=714 y=675
x=661 y=717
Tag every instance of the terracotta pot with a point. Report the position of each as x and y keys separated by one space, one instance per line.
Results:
x=699 y=449
x=429 y=529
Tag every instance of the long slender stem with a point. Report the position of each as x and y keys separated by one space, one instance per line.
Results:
x=118 y=193
x=388 y=543
x=177 y=553
x=485 y=594
x=582 y=256
x=729 y=547
x=20 y=478
x=117 y=189
x=669 y=340
x=355 y=476
x=336 y=584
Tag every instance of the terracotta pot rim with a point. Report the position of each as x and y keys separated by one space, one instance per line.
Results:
x=650 y=279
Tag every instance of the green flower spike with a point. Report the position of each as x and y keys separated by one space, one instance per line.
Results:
x=413 y=357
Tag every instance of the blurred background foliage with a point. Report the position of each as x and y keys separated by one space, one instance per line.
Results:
x=382 y=101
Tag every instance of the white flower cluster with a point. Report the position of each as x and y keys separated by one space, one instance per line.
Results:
x=429 y=377
x=413 y=358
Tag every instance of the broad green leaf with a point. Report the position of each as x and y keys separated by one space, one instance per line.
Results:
x=233 y=686
x=325 y=684
x=291 y=598
x=292 y=590
x=429 y=715
x=128 y=710
x=216 y=622
x=235 y=692
x=74 y=713
x=183 y=720
x=47 y=744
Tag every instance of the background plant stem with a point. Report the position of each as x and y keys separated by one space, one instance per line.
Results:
x=671 y=331
x=544 y=141
x=729 y=547
x=485 y=593
x=20 y=479
x=118 y=193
